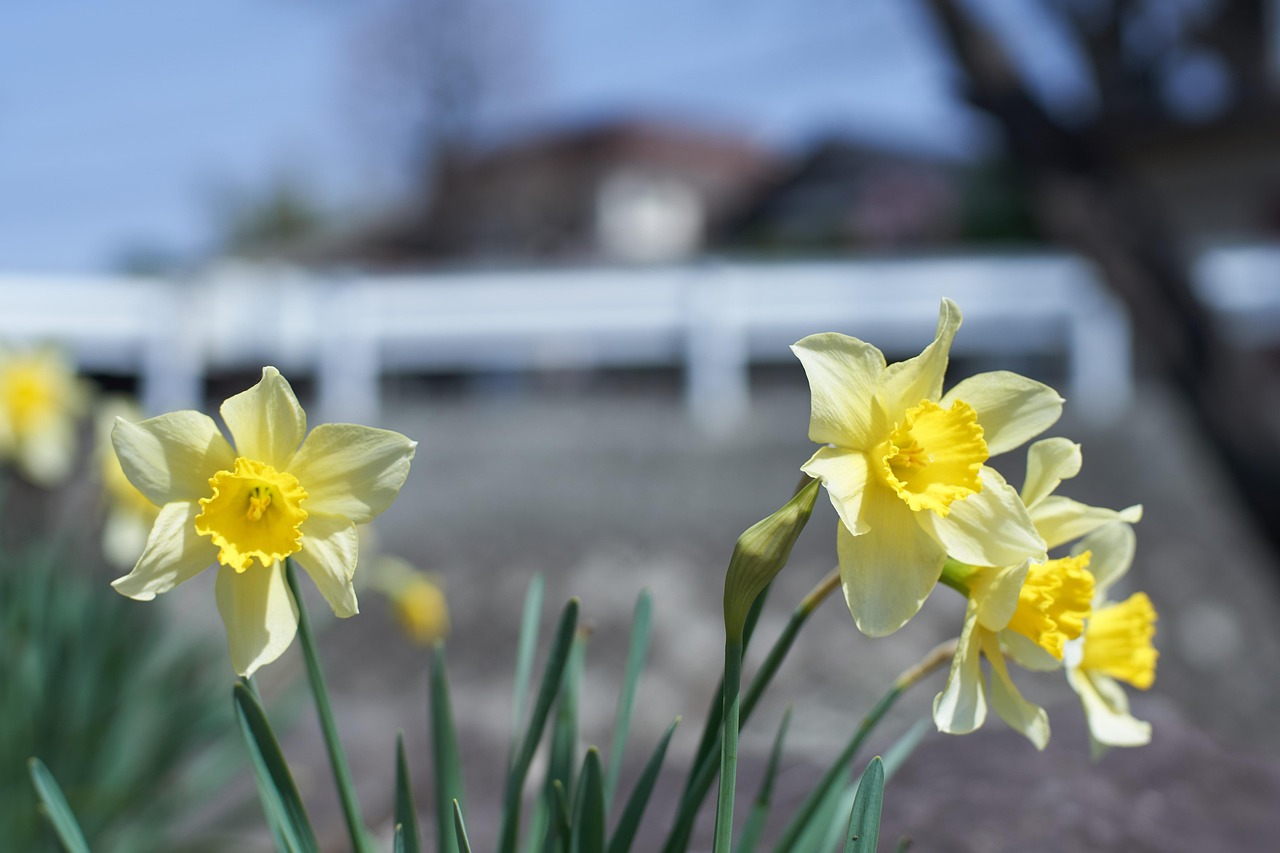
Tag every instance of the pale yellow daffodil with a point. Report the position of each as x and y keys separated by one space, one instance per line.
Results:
x=904 y=466
x=41 y=399
x=1032 y=610
x=417 y=599
x=129 y=515
x=1116 y=646
x=249 y=506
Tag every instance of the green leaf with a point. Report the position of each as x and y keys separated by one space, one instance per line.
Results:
x=397 y=842
x=864 y=820
x=759 y=554
x=636 y=653
x=723 y=840
x=444 y=749
x=547 y=691
x=408 y=838
x=625 y=832
x=55 y=808
x=754 y=827
x=460 y=829
x=530 y=621
x=275 y=782
x=904 y=746
x=588 y=807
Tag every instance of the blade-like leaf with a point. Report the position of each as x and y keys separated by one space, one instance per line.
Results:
x=275 y=782
x=901 y=750
x=564 y=736
x=625 y=832
x=55 y=808
x=407 y=836
x=550 y=687
x=588 y=807
x=754 y=826
x=460 y=829
x=530 y=621
x=864 y=820
x=444 y=748
x=636 y=653
x=397 y=843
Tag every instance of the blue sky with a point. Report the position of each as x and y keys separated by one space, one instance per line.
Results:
x=121 y=122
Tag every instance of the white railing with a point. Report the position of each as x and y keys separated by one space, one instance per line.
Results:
x=714 y=320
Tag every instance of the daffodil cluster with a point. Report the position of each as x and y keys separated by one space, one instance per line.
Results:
x=276 y=493
x=906 y=468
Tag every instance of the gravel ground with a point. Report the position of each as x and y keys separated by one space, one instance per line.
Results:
x=605 y=489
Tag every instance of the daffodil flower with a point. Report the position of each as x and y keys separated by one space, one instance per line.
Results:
x=249 y=506
x=416 y=599
x=129 y=515
x=1116 y=646
x=40 y=400
x=904 y=466
x=1032 y=610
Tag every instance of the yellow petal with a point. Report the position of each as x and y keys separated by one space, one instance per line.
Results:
x=843 y=373
x=352 y=471
x=1113 y=547
x=259 y=613
x=990 y=528
x=844 y=474
x=961 y=707
x=172 y=457
x=329 y=551
x=889 y=571
x=1061 y=520
x=1011 y=409
x=994 y=591
x=1107 y=711
x=266 y=421
x=45 y=456
x=1049 y=462
x=174 y=553
x=905 y=383
x=1021 y=715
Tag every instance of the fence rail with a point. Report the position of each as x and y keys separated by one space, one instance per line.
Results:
x=713 y=320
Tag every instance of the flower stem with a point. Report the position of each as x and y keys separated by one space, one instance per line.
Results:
x=728 y=746
x=704 y=761
x=337 y=758
x=936 y=658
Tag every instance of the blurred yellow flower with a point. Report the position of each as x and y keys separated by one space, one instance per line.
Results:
x=1116 y=647
x=248 y=507
x=40 y=399
x=904 y=466
x=129 y=515
x=417 y=599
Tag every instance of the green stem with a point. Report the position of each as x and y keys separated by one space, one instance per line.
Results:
x=704 y=763
x=337 y=759
x=800 y=820
x=728 y=745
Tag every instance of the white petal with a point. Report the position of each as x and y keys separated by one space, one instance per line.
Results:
x=844 y=473
x=46 y=455
x=1028 y=653
x=172 y=457
x=843 y=373
x=1021 y=715
x=1049 y=462
x=352 y=471
x=994 y=591
x=1111 y=548
x=174 y=553
x=1109 y=720
x=889 y=571
x=1012 y=409
x=124 y=537
x=961 y=707
x=259 y=613
x=329 y=549
x=906 y=383
x=266 y=421
x=990 y=528
x=1061 y=520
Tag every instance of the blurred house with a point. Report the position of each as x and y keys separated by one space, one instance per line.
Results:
x=844 y=194
x=624 y=191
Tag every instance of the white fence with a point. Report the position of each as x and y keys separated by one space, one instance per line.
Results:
x=713 y=320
